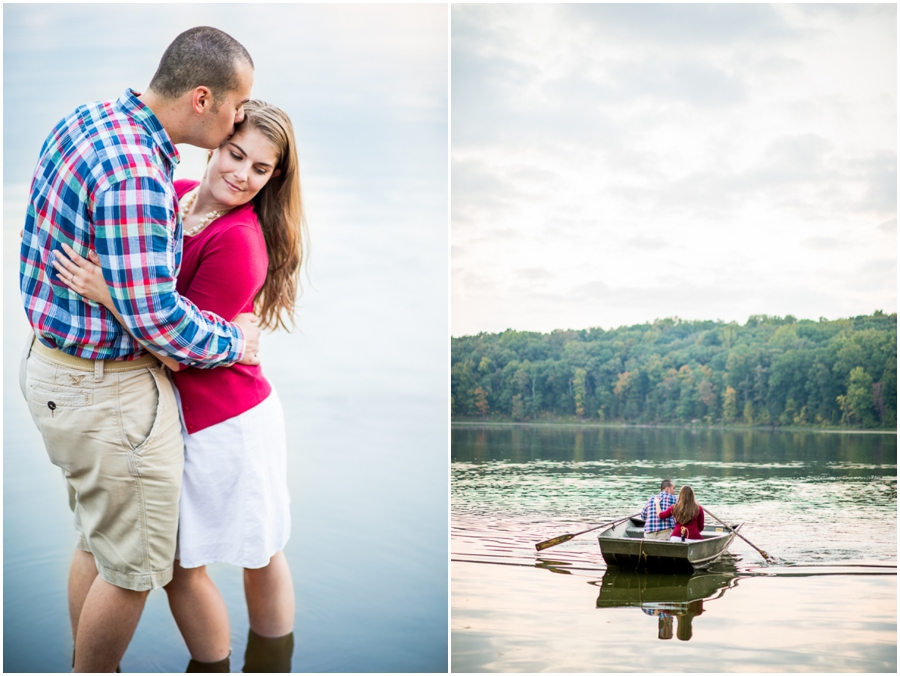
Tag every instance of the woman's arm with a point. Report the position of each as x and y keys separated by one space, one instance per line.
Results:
x=85 y=277
x=666 y=513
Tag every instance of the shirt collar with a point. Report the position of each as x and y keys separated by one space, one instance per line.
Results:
x=140 y=113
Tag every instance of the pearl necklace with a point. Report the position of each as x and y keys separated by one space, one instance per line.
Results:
x=206 y=220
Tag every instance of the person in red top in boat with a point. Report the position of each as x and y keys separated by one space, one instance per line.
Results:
x=688 y=517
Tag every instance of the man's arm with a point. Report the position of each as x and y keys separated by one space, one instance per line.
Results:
x=136 y=247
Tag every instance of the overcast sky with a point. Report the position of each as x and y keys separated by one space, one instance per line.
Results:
x=614 y=164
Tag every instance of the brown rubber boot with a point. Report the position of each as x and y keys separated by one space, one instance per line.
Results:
x=268 y=655
x=220 y=667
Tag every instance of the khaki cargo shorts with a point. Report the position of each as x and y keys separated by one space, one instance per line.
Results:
x=113 y=429
x=658 y=535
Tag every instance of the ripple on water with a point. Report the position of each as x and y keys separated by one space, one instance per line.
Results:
x=820 y=499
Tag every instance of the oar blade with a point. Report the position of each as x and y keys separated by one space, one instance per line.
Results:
x=552 y=542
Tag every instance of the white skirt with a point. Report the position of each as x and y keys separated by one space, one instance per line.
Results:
x=234 y=499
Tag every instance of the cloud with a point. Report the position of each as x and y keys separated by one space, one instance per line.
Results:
x=680 y=25
x=803 y=153
x=875 y=274
x=646 y=243
x=535 y=274
x=880 y=175
x=822 y=243
x=479 y=192
x=778 y=64
x=886 y=12
x=679 y=149
x=596 y=289
x=678 y=81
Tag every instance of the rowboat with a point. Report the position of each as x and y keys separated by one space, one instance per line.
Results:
x=624 y=546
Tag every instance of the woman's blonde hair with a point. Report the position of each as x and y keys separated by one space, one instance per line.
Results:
x=279 y=208
x=686 y=509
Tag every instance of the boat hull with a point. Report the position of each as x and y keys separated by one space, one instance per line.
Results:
x=624 y=546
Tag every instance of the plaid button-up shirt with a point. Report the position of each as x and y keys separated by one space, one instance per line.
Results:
x=104 y=182
x=652 y=523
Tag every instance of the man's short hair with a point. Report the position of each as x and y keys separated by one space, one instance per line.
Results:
x=666 y=484
x=201 y=56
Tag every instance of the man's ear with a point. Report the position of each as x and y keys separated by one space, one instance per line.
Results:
x=201 y=99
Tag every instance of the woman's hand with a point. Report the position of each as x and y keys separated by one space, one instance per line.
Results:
x=84 y=277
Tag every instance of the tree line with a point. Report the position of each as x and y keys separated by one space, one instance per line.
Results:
x=771 y=371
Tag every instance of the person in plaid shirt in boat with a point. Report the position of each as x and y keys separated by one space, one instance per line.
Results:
x=654 y=527
x=98 y=395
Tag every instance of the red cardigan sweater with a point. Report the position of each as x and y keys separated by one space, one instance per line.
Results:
x=694 y=527
x=222 y=269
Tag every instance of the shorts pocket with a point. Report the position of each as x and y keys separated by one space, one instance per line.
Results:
x=59 y=397
x=139 y=409
x=61 y=414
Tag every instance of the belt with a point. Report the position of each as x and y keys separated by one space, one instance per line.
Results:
x=80 y=364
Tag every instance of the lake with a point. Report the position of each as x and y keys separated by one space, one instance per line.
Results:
x=823 y=504
x=363 y=379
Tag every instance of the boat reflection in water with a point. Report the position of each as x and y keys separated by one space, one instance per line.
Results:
x=675 y=598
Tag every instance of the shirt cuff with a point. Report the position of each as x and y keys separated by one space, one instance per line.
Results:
x=241 y=345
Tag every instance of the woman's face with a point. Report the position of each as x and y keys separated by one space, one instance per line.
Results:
x=240 y=167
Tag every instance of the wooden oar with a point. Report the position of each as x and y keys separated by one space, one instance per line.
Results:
x=559 y=539
x=769 y=559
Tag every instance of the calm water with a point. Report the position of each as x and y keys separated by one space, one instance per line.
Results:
x=825 y=505
x=364 y=378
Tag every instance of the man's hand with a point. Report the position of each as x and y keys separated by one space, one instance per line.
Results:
x=249 y=325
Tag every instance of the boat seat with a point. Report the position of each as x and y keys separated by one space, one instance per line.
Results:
x=634 y=532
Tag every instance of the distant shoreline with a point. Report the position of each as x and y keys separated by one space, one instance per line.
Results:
x=618 y=425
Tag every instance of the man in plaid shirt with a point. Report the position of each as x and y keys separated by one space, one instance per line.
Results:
x=102 y=402
x=654 y=527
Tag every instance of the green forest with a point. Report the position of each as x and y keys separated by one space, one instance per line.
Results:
x=771 y=371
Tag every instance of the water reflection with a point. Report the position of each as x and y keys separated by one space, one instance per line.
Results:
x=553 y=566
x=671 y=597
x=685 y=628
x=525 y=443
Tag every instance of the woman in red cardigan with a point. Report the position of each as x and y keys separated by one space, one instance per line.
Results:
x=688 y=517
x=243 y=248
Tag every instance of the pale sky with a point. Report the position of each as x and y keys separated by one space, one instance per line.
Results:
x=614 y=164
